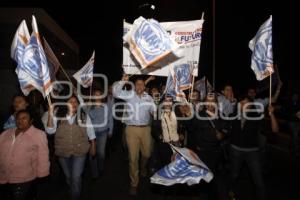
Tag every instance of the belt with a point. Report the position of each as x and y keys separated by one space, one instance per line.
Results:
x=139 y=125
x=103 y=131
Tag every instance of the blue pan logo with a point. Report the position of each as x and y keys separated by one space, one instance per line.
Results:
x=33 y=60
x=151 y=39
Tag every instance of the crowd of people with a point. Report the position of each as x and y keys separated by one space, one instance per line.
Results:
x=223 y=130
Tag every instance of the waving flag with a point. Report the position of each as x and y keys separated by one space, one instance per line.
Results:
x=20 y=41
x=34 y=63
x=85 y=75
x=262 y=52
x=264 y=85
x=179 y=79
x=203 y=87
x=149 y=42
x=185 y=168
x=53 y=64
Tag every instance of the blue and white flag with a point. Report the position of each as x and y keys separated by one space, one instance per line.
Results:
x=20 y=41
x=262 y=51
x=85 y=75
x=53 y=62
x=185 y=168
x=33 y=67
x=187 y=35
x=179 y=79
x=149 y=42
x=32 y=70
x=53 y=65
x=203 y=87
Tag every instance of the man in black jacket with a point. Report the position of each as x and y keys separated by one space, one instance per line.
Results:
x=204 y=132
x=245 y=142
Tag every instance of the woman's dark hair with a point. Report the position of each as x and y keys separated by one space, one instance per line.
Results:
x=21 y=95
x=63 y=110
x=212 y=95
x=153 y=87
x=18 y=95
x=139 y=79
x=26 y=111
x=104 y=99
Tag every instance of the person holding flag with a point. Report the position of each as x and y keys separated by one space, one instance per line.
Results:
x=75 y=137
x=244 y=145
x=262 y=64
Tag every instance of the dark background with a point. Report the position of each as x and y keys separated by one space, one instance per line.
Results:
x=99 y=27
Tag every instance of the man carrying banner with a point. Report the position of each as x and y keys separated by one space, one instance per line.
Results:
x=140 y=106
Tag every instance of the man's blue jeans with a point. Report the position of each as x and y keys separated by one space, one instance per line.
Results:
x=253 y=161
x=73 y=167
x=97 y=163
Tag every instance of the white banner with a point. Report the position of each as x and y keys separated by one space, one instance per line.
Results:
x=149 y=42
x=187 y=34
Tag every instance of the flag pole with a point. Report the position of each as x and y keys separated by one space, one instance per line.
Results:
x=270 y=92
x=67 y=76
x=214 y=44
x=49 y=100
x=192 y=88
x=193 y=79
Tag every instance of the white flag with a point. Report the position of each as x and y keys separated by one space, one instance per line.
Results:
x=20 y=41
x=262 y=51
x=186 y=167
x=34 y=62
x=27 y=51
x=18 y=45
x=85 y=75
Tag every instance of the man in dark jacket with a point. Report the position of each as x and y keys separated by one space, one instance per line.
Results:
x=245 y=143
x=205 y=131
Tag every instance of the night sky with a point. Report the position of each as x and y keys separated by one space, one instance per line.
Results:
x=236 y=22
